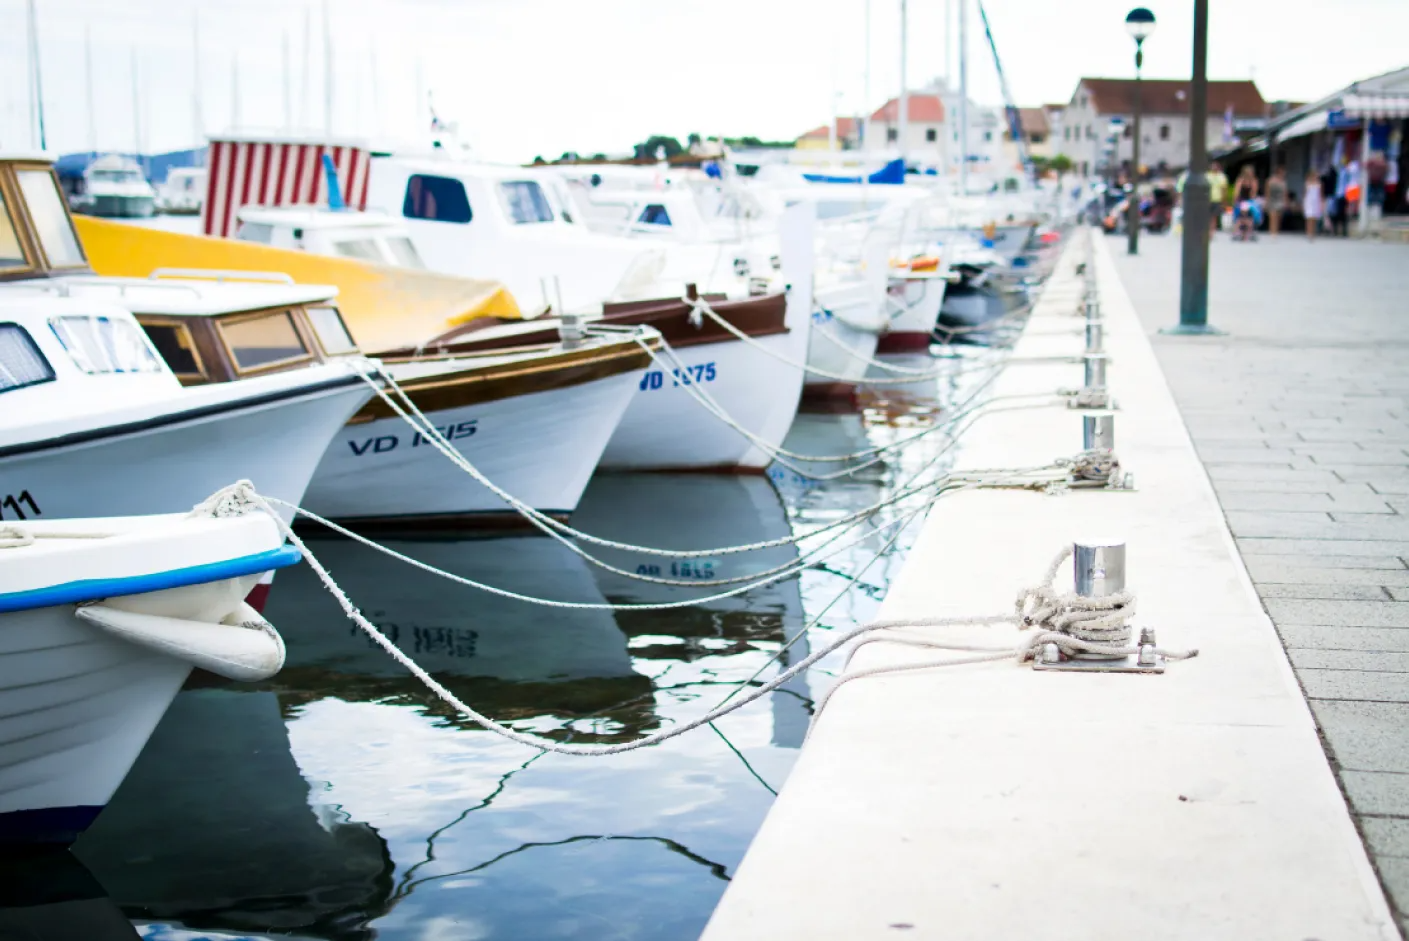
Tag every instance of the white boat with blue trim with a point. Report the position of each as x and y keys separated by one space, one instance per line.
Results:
x=101 y=620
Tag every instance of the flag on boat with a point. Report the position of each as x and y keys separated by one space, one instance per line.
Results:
x=251 y=172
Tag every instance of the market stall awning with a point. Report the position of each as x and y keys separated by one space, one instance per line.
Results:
x=1306 y=124
x=1375 y=106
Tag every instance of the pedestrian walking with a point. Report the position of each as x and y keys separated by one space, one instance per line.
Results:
x=1330 y=202
x=1276 y=200
x=1245 y=205
x=1313 y=205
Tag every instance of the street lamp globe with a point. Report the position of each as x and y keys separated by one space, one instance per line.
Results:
x=1139 y=23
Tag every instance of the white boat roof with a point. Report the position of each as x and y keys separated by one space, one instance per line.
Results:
x=316 y=217
x=174 y=297
x=449 y=165
x=25 y=156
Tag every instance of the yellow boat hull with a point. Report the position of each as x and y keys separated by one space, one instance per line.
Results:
x=384 y=307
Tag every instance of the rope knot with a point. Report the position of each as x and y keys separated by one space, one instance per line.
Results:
x=15 y=537
x=238 y=499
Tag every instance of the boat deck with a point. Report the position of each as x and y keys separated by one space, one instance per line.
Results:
x=993 y=801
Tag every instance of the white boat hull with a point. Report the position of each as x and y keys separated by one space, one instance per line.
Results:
x=147 y=467
x=912 y=328
x=542 y=448
x=667 y=428
x=843 y=341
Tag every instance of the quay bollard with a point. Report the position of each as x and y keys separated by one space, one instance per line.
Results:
x=1098 y=432
x=572 y=331
x=1099 y=571
x=1095 y=364
x=1094 y=339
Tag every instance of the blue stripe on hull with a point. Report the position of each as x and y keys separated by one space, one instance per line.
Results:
x=94 y=589
x=50 y=825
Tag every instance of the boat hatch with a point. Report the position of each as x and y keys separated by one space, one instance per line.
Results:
x=21 y=363
x=36 y=232
x=224 y=347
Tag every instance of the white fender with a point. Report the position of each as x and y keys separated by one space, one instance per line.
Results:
x=243 y=646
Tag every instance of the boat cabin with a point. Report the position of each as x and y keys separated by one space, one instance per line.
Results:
x=366 y=236
x=208 y=326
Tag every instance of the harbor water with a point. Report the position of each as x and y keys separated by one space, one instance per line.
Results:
x=341 y=800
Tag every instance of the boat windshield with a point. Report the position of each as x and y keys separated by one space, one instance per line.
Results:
x=116 y=176
x=102 y=345
x=11 y=253
x=403 y=252
x=364 y=249
x=51 y=219
x=524 y=202
x=331 y=331
x=21 y=363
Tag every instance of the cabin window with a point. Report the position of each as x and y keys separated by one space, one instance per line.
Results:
x=403 y=253
x=331 y=331
x=365 y=249
x=263 y=340
x=261 y=232
x=436 y=199
x=524 y=202
x=173 y=341
x=51 y=220
x=21 y=363
x=11 y=252
x=654 y=214
x=103 y=345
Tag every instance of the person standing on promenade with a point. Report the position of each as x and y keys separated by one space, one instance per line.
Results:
x=1276 y=200
x=1217 y=195
x=1312 y=204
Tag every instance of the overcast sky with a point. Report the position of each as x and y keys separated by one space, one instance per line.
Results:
x=526 y=77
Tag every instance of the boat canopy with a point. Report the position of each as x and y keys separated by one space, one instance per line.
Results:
x=891 y=174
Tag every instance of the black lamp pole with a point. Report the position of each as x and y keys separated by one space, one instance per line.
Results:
x=1139 y=22
x=1193 y=284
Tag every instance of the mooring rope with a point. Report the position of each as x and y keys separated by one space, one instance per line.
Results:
x=241 y=498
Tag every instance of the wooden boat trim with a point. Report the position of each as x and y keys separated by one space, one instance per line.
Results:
x=759 y=316
x=507 y=380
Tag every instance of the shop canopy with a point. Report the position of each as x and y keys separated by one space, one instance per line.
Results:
x=1375 y=106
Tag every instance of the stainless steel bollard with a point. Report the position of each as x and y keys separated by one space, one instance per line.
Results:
x=1099 y=567
x=1098 y=432
x=1093 y=336
x=1095 y=370
x=572 y=331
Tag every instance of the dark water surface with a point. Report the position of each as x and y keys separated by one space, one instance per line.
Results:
x=341 y=800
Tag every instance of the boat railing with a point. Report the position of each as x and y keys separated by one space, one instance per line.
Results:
x=220 y=276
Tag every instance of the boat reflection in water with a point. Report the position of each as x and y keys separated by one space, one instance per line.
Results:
x=344 y=801
x=47 y=895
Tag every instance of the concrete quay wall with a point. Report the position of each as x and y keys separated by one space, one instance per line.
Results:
x=993 y=801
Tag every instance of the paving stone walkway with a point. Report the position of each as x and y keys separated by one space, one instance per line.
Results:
x=1301 y=415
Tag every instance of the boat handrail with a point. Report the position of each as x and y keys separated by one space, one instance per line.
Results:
x=221 y=275
x=122 y=284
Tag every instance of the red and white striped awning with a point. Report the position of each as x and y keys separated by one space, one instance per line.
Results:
x=1375 y=106
x=277 y=173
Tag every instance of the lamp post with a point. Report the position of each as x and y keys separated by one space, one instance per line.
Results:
x=1193 y=283
x=1139 y=23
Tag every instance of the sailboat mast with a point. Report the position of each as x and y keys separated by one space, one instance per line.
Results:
x=307 y=57
x=327 y=73
x=137 y=111
x=866 y=87
x=376 y=86
x=963 y=97
x=88 y=76
x=36 y=80
x=197 y=111
x=904 y=122
x=288 y=85
x=235 y=91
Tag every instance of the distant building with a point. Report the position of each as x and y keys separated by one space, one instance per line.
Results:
x=848 y=136
x=1097 y=132
x=1036 y=133
x=932 y=132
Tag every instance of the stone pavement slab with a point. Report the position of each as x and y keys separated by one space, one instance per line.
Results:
x=1301 y=418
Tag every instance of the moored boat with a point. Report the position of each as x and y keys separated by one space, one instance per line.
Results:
x=102 y=621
